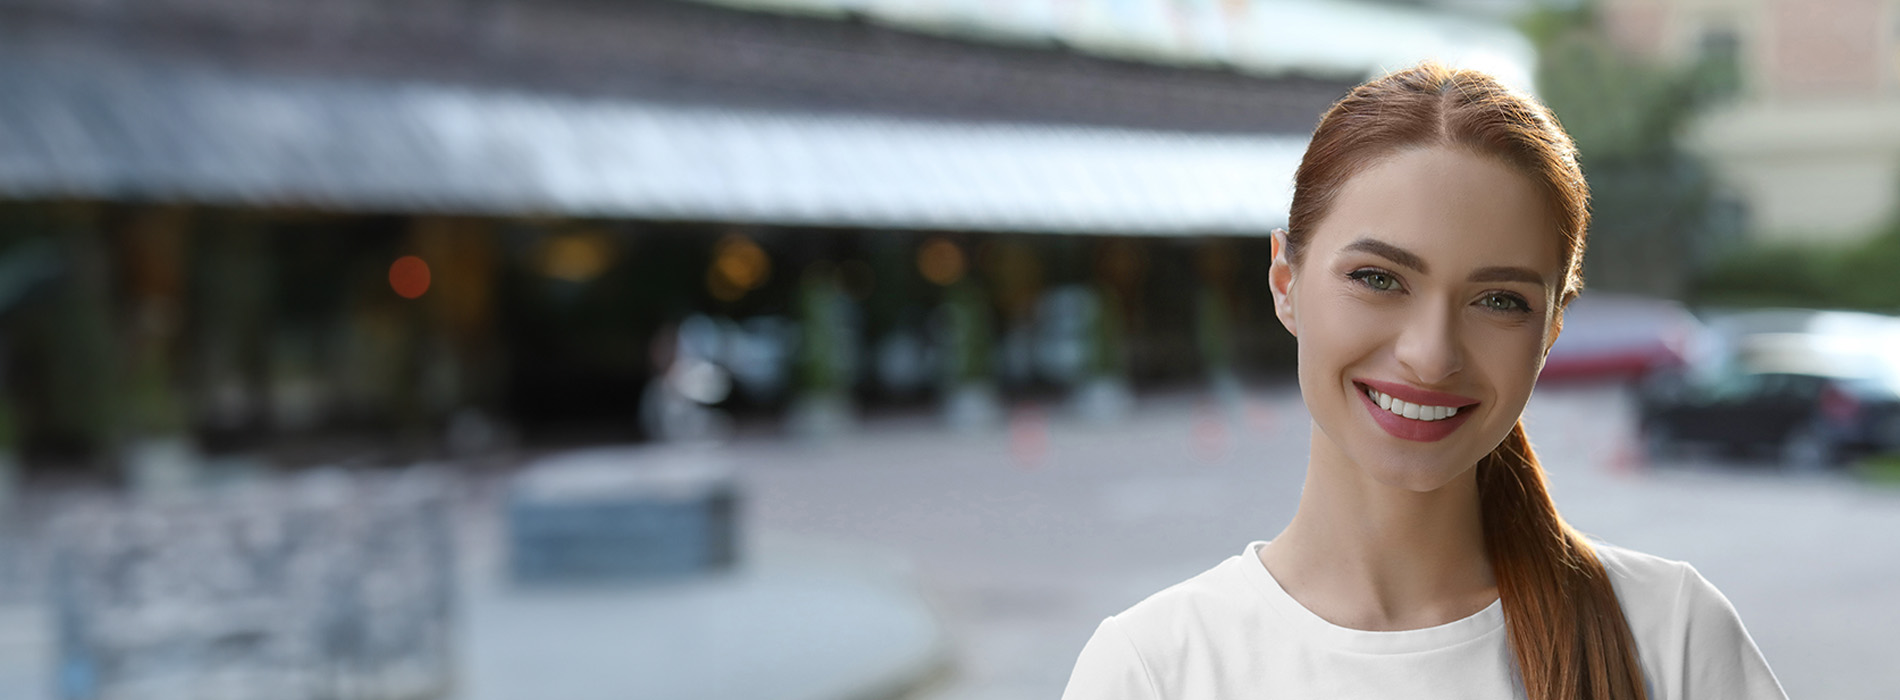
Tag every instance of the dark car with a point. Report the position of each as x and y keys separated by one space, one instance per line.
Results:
x=1816 y=390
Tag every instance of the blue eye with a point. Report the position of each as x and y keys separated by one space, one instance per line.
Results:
x=1375 y=278
x=1502 y=301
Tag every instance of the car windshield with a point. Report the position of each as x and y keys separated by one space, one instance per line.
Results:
x=1865 y=359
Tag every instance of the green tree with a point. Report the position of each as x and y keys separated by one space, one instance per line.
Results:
x=1652 y=220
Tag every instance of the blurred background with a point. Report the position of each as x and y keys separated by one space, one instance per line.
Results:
x=853 y=349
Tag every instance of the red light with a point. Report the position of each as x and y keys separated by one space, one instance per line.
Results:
x=409 y=276
x=1837 y=404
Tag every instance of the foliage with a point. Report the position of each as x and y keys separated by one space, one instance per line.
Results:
x=156 y=409
x=1860 y=275
x=1651 y=207
x=9 y=428
x=970 y=338
x=1213 y=330
x=819 y=364
x=1107 y=354
x=1881 y=469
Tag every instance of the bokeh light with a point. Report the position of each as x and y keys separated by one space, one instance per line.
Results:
x=576 y=257
x=409 y=276
x=940 y=261
x=738 y=266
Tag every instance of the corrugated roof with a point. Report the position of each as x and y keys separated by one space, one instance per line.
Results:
x=1355 y=38
x=143 y=132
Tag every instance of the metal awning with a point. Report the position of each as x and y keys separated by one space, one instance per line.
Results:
x=142 y=133
x=1356 y=39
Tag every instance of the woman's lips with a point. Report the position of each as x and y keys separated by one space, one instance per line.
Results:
x=1416 y=395
x=1409 y=428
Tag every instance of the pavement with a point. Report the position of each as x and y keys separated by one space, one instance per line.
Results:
x=1028 y=538
x=799 y=619
x=912 y=561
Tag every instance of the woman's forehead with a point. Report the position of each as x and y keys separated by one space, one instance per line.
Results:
x=1444 y=206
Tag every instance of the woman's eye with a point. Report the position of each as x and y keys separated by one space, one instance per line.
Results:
x=1375 y=279
x=1504 y=302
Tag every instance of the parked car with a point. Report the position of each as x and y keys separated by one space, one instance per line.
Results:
x=1810 y=388
x=1620 y=337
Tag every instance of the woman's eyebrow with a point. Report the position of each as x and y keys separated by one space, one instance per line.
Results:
x=1508 y=274
x=1406 y=258
x=1390 y=252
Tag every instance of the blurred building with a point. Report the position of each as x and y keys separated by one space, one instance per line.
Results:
x=1809 y=140
x=230 y=193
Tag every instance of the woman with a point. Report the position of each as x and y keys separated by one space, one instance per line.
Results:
x=1435 y=235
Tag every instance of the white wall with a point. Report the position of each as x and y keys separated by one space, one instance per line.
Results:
x=1810 y=171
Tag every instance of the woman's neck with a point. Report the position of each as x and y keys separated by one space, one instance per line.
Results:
x=1366 y=555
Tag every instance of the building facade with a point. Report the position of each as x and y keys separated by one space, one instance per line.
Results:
x=1809 y=140
x=226 y=185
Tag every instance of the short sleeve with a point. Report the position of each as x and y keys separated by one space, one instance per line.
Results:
x=1110 y=668
x=1720 y=661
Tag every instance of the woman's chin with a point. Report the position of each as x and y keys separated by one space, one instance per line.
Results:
x=1411 y=471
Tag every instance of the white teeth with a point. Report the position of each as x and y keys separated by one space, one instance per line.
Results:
x=1411 y=410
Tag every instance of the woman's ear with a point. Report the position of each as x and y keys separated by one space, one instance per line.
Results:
x=1280 y=279
x=1557 y=320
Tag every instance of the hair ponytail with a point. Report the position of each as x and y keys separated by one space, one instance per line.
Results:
x=1566 y=628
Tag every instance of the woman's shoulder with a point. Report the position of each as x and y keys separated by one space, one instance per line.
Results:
x=1667 y=602
x=1177 y=637
x=1671 y=610
x=1640 y=571
x=1656 y=592
x=1218 y=594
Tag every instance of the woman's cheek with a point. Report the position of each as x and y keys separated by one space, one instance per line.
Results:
x=1514 y=351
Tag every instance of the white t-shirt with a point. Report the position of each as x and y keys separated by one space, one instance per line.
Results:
x=1233 y=633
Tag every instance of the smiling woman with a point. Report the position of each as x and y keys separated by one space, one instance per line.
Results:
x=1436 y=235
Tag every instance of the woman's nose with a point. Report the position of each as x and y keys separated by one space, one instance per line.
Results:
x=1429 y=346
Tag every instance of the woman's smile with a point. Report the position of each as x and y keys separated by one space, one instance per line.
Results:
x=1410 y=413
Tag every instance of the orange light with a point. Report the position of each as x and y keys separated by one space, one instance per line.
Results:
x=940 y=261
x=738 y=266
x=722 y=288
x=576 y=257
x=409 y=276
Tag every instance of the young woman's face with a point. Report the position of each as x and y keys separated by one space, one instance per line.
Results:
x=1423 y=305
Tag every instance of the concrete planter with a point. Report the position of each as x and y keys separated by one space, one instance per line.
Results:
x=1228 y=394
x=621 y=514
x=819 y=417
x=1104 y=400
x=161 y=466
x=9 y=482
x=973 y=407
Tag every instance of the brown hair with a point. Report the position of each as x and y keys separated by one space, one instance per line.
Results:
x=1566 y=627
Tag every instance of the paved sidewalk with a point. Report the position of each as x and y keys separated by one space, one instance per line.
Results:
x=26 y=651
x=799 y=619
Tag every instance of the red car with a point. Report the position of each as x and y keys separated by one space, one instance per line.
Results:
x=1611 y=336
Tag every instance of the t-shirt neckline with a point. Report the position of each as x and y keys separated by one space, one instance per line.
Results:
x=1480 y=624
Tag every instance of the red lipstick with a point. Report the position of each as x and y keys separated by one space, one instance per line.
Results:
x=1409 y=428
